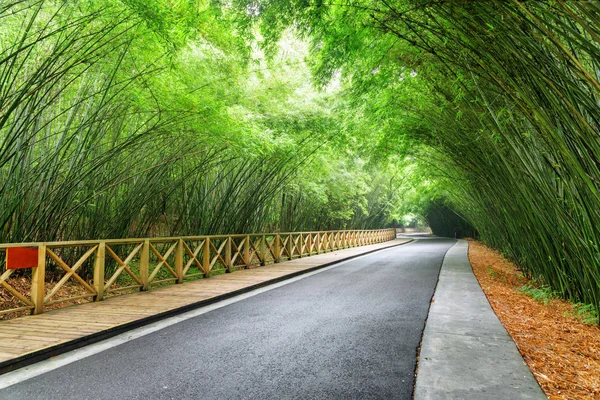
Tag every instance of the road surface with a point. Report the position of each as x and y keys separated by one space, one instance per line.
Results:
x=349 y=332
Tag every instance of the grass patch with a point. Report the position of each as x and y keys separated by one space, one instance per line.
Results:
x=586 y=313
x=542 y=293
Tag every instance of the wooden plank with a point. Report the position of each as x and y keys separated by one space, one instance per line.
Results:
x=162 y=261
x=25 y=344
x=37 y=282
x=9 y=353
x=6 y=275
x=29 y=336
x=51 y=326
x=123 y=265
x=74 y=243
x=99 y=271
x=206 y=265
x=17 y=294
x=40 y=330
x=56 y=330
x=179 y=261
x=70 y=272
x=145 y=264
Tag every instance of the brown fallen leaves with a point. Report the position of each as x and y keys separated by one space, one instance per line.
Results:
x=562 y=352
x=23 y=286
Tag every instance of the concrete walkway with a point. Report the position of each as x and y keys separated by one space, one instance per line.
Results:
x=466 y=353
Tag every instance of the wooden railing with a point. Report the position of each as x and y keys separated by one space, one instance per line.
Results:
x=125 y=265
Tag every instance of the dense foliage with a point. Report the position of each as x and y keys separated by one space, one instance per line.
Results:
x=130 y=118
x=138 y=118
x=502 y=107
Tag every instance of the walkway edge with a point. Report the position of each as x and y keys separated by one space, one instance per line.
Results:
x=466 y=353
x=51 y=351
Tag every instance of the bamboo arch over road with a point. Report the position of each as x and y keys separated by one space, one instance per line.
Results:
x=124 y=265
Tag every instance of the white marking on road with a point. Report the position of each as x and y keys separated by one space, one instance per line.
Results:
x=31 y=371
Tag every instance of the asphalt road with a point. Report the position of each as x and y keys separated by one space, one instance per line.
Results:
x=350 y=332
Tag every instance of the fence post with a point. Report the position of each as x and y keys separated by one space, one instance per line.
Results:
x=263 y=250
x=206 y=257
x=99 y=271
x=300 y=241
x=290 y=247
x=247 y=260
x=228 y=254
x=179 y=260
x=38 y=277
x=277 y=246
x=145 y=264
x=318 y=242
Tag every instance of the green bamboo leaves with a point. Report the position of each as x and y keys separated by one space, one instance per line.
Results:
x=504 y=117
x=133 y=118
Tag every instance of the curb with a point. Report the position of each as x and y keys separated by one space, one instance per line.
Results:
x=465 y=350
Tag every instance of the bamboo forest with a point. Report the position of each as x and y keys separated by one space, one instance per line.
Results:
x=130 y=118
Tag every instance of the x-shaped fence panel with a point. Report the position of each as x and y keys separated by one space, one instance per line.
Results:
x=94 y=269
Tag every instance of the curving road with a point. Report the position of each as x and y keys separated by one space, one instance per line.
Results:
x=349 y=332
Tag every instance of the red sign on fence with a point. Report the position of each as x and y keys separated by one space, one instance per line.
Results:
x=21 y=257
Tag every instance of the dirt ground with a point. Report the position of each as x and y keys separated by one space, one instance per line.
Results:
x=562 y=351
x=23 y=286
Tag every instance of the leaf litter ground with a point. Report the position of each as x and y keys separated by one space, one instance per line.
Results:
x=562 y=351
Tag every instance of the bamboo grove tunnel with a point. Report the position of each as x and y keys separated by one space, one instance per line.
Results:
x=128 y=119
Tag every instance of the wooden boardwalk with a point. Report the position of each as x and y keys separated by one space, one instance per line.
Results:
x=32 y=338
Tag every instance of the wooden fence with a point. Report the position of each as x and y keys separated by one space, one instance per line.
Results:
x=119 y=266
